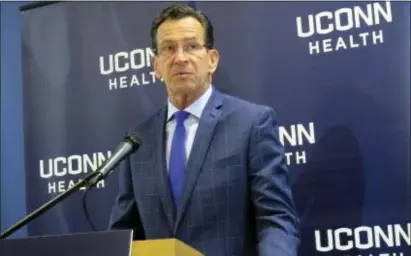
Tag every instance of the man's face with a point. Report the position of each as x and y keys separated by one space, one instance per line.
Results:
x=183 y=62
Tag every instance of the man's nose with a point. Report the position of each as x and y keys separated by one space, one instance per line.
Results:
x=181 y=55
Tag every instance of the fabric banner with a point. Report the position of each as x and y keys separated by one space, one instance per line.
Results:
x=337 y=74
x=87 y=79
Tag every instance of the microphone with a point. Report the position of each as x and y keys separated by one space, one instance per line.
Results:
x=129 y=145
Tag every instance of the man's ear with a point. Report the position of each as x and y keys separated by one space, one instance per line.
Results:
x=214 y=57
x=154 y=62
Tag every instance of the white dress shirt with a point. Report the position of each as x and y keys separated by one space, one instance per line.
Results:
x=190 y=124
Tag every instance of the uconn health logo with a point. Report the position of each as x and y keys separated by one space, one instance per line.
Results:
x=320 y=29
x=389 y=240
x=63 y=172
x=296 y=138
x=127 y=69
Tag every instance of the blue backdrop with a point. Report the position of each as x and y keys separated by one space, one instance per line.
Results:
x=338 y=75
x=12 y=175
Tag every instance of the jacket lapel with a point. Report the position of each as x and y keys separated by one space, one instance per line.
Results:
x=160 y=168
x=204 y=134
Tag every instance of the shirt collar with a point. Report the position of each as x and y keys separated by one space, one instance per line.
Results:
x=196 y=108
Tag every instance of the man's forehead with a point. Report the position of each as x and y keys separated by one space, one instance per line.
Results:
x=184 y=39
x=187 y=27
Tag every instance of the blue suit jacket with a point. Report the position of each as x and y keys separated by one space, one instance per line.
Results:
x=236 y=198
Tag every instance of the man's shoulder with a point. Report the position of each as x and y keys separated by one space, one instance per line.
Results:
x=245 y=107
x=148 y=123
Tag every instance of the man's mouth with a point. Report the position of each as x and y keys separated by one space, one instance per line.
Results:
x=182 y=73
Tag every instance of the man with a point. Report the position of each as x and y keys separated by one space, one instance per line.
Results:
x=210 y=171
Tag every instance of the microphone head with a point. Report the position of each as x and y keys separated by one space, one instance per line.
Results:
x=134 y=140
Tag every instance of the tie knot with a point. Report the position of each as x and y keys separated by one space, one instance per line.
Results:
x=181 y=116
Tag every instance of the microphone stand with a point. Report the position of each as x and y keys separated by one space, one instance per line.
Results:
x=96 y=176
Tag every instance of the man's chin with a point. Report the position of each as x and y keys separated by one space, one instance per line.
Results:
x=184 y=87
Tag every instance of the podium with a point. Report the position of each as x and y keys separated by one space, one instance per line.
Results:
x=109 y=243
x=163 y=247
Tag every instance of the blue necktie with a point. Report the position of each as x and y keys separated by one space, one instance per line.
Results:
x=178 y=157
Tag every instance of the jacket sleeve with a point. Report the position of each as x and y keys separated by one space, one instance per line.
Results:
x=125 y=214
x=276 y=219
